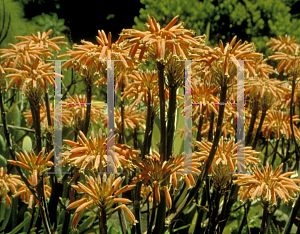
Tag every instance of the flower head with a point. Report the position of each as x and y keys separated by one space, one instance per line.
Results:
x=267 y=184
x=35 y=165
x=26 y=194
x=8 y=183
x=101 y=192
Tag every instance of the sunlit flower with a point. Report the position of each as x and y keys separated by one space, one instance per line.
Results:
x=267 y=184
x=285 y=44
x=132 y=117
x=226 y=152
x=91 y=59
x=43 y=40
x=75 y=111
x=21 y=55
x=39 y=72
x=223 y=61
x=8 y=183
x=91 y=153
x=36 y=165
x=278 y=122
x=158 y=42
x=101 y=192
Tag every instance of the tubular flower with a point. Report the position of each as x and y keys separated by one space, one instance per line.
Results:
x=43 y=41
x=267 y=184
x=285 y=45
x=289 y=61
x=226 y=153
x=158 y=42
x=223 y=61
x=262 y=86
x=90 y=58
x=76 y=107
x=142 y=83
x=8 y=183
x=35 y=165
x=278 y=122
x=90 y=154
x=43 y=115
x=132 y=118
x=101 y=192
x=154 y=171
x=39 y=72
x=26 y=194
x=21 y=55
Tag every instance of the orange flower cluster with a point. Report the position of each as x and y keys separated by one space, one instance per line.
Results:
x=267 y=184
x=35 y=165
x=102 y=192
x=278 y=122
x=226 y=152
x=8 y=183
x=154 y=172
x=158 y=42
x=26 y=63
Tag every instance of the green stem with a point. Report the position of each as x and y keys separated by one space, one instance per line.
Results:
x=35 y=111
x=213 y=219
x=211 y=126
x=244 y=221
x=42 y=206
x=252 y=123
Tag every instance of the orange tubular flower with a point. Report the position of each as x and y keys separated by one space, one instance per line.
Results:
x=27 y=196
x=154 y=171
x=226 y=152
x=43 y=40
x=90 y=59
x=75 y=112
x=222 y=61
x=158 y=41
x=39 y=73
x=8 y=183
x=35 y=165
x=91 y=154
x=286 y=45
x=278 y=122
x=23 y=55
x=132 y=118
x=267 y=184
x=102 y=192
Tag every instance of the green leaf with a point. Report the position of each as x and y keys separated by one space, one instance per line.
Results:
x=6 y=218
x=3 y=209
x=183 y=227
x=27 y=143
x=2 y=145
x=3 y=162
x=87 y=222
x=26 y=226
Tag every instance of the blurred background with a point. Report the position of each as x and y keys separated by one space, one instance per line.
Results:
x=251 y=20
